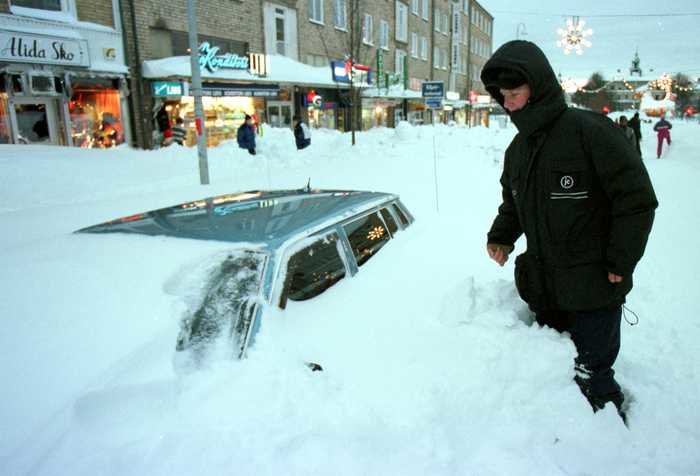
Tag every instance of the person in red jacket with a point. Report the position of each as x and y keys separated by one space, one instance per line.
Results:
x=663 y=131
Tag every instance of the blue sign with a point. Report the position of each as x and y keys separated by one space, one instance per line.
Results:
x=209 y=59
x=433 y=89
x=360 y=74
x=433 y=103
x=166 y=88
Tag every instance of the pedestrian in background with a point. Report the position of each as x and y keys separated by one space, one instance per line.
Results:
x=179 y=131
x=302 y=133
x=663 y=132
x=246 y=135
x=585 y=203
x=627 y=131
x=636 y=126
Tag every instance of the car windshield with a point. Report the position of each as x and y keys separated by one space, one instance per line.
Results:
x=227 y=309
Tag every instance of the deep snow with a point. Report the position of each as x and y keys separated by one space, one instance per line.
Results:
x=431 y=363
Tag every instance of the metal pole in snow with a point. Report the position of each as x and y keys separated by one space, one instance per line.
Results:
x=435 y=173
x=197 y=94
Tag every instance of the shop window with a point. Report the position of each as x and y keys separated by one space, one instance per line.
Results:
x=314 y=269
x=4 y=115
x=95 y=113
x=367 y=236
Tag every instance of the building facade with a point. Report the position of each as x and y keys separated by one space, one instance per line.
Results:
x=63 y=77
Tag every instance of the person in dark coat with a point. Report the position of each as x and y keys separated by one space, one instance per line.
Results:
x=627 y=130
x=636 y=126
x=302 y=134
x=246 y=135
x=585 y=203
x=663 y=132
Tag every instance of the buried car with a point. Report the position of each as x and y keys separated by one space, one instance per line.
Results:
x=286 y=245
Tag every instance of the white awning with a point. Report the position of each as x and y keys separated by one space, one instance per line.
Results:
x=282 y=70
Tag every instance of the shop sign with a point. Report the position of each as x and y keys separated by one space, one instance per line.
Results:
x=314 y=100
x=433 y=103
x=167 y=88
x=433 y=89
x=380 y=69
x=28 y=48
x=240 y=90
x=343 y=72
x=210 y=60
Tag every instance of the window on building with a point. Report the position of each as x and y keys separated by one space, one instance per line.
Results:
x=426 y=10
x=316 y=11
x=415 y=4
x=466 y=6
x=424 y=48
x=445 y=59
x=368 y=30
x=401 y=21
x=161 y=43
x=445 y=23
x=436 y=57
x=414 y=45
x=436 y=19
x=62 y=10
x=384 y=34
x=400 y=58
x=340 y=14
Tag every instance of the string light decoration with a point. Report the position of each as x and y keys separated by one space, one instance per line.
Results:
x=375 y=233
x=574 y=38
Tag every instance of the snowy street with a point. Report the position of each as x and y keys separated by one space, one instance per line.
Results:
x=432 y=365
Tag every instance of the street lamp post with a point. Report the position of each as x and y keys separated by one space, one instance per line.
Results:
x=197 y=94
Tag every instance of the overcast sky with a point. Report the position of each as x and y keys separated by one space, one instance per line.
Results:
x=668 y=44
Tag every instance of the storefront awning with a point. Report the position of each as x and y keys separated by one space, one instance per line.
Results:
x=394 y=92
x=281 y=70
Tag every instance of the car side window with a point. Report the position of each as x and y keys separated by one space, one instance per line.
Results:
x=400 y=214
x=389 y=220
x=366 y=235
x=313 y=269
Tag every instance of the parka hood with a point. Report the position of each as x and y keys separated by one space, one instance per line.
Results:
x=547 y=97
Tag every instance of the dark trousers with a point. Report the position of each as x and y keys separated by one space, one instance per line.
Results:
x=251 y=151
x=596 y=335
x=639 y=149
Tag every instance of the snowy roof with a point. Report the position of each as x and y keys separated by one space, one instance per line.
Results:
x=281 y=70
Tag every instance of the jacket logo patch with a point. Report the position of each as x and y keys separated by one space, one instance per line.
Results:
x=566 y=182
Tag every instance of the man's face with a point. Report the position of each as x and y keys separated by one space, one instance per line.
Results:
x=515 y=99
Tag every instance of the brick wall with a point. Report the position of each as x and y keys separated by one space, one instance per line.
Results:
x=95 y=11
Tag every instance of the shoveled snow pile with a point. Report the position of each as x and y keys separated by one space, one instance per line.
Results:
x=431 y=362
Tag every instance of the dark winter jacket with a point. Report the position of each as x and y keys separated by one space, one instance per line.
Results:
x=574 y=187
x=629 y=134
x=662 y=124
x=636 y=126
x=246 y=137
x=300 y=136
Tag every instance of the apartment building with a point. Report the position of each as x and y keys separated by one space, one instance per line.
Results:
x=480 y=49
x=62 y=73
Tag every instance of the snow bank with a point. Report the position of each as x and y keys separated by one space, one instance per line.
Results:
x=431 y=362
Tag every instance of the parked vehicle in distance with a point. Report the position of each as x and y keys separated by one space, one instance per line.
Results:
x=287 y=245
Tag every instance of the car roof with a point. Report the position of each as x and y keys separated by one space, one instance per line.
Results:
x=266 y=217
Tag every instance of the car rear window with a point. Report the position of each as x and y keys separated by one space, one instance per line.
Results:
x=401 y=214
x=366 y=235
x=314 y=269
x=389 y=220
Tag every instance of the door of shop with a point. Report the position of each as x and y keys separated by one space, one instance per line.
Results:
x=34 y=121
x=279 y=113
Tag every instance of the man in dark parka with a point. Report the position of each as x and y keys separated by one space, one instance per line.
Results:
x=585 y=203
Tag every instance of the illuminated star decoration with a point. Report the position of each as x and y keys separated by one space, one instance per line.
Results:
x=375 y=233
x=574 y=37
